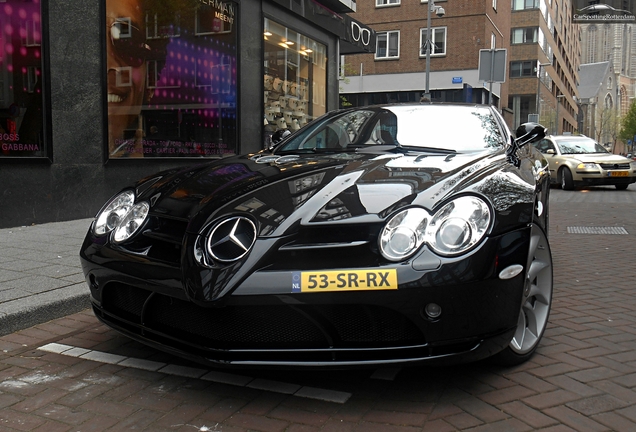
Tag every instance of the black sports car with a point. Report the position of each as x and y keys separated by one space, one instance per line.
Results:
x=385 y=234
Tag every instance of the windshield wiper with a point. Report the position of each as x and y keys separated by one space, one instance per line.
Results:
x=364 y=148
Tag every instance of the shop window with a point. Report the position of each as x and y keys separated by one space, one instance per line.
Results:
x=156 y=28
x=214 y=21
x=438 y=41
x=31 y=35
x=24 y=113
x=174 y=93
x=295 y=78
x=30 y=78
x=388 y=45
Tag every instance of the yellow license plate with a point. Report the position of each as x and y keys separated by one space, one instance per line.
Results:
x=344 y=280
x=618 y=173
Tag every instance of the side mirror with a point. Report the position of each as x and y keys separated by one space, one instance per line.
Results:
x=550 y=151
x=528 y=133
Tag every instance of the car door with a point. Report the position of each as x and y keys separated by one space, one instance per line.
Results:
x=549 y=150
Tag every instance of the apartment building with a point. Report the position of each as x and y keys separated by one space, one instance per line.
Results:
x=543 y=50
x=397 y=70
x=544 y=64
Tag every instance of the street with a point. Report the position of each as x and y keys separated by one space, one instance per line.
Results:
x=74 y=374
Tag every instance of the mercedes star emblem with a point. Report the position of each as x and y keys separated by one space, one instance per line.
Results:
x=231 y=239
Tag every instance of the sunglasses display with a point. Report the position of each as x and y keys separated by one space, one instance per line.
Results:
x=128 y=42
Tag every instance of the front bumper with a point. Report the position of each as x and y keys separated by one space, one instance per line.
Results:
x=603 y=177
x=262 y=323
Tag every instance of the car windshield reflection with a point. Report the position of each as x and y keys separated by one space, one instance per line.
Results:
x=425 y=127
x=580 y=146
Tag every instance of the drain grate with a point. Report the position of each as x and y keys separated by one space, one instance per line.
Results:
x=597 y=230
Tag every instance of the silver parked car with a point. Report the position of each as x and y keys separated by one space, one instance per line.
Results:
x=581 y=161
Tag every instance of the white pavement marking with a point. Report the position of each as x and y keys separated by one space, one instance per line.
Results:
x=204 y=374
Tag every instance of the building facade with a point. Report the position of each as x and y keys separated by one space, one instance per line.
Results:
x=540 y=38
x=97 y=94
x=544 y=64
x=396 y=72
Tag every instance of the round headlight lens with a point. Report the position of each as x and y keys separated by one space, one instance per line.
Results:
x=131 y=222
x=455 y=228
x=114 y=212
x=403 y=234
x=458 y=226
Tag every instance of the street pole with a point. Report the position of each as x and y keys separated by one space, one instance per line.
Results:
x=429 y=6
x=558 y=102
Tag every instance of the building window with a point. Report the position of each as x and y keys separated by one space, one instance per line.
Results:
x=153 y=53
x=295 y=80
x=23 y=95
x=522 y=106
x=525 y=4
x=524 y=35
x=493 y=41
x=438 y=41
x=388 y=45
x=380 y=3
x=523 y=68
x=494 y=4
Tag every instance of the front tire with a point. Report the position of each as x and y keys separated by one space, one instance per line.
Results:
x=536 y=302
x=621 y=186
x=566 y=179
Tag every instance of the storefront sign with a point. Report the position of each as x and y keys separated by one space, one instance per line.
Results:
x=22 y=131
x=172 y=78
x=355 y=37
x=358 y=37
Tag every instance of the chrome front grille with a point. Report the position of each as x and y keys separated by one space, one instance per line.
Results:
x=610 y=166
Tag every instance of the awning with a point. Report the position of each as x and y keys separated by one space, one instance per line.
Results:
x=354 y=36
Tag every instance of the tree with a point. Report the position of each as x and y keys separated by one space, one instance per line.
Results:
x=629 y=123
x=608 y=126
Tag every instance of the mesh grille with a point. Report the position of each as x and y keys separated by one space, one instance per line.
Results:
x=370 y=324
x=124 y=301
x=263 y=326
x=236 y=327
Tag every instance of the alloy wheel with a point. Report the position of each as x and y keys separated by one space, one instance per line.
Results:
x=535 y=309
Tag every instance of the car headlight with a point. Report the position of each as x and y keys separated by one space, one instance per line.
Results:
x=404 y=234
x=587 y=166
x=452 y=230
x=131 y=222
x=458 y=226
x=110 y=216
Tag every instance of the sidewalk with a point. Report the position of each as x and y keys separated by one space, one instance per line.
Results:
x=40 y=274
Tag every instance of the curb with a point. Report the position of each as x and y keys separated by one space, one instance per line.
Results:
x=40 y=308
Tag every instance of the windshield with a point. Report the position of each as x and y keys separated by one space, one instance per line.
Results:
x=579 y=146
x=444 y=127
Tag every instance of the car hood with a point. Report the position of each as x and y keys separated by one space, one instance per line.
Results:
x=599 y=158
x=353 y=187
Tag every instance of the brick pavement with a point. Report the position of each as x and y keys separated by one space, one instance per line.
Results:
x=583 y=377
